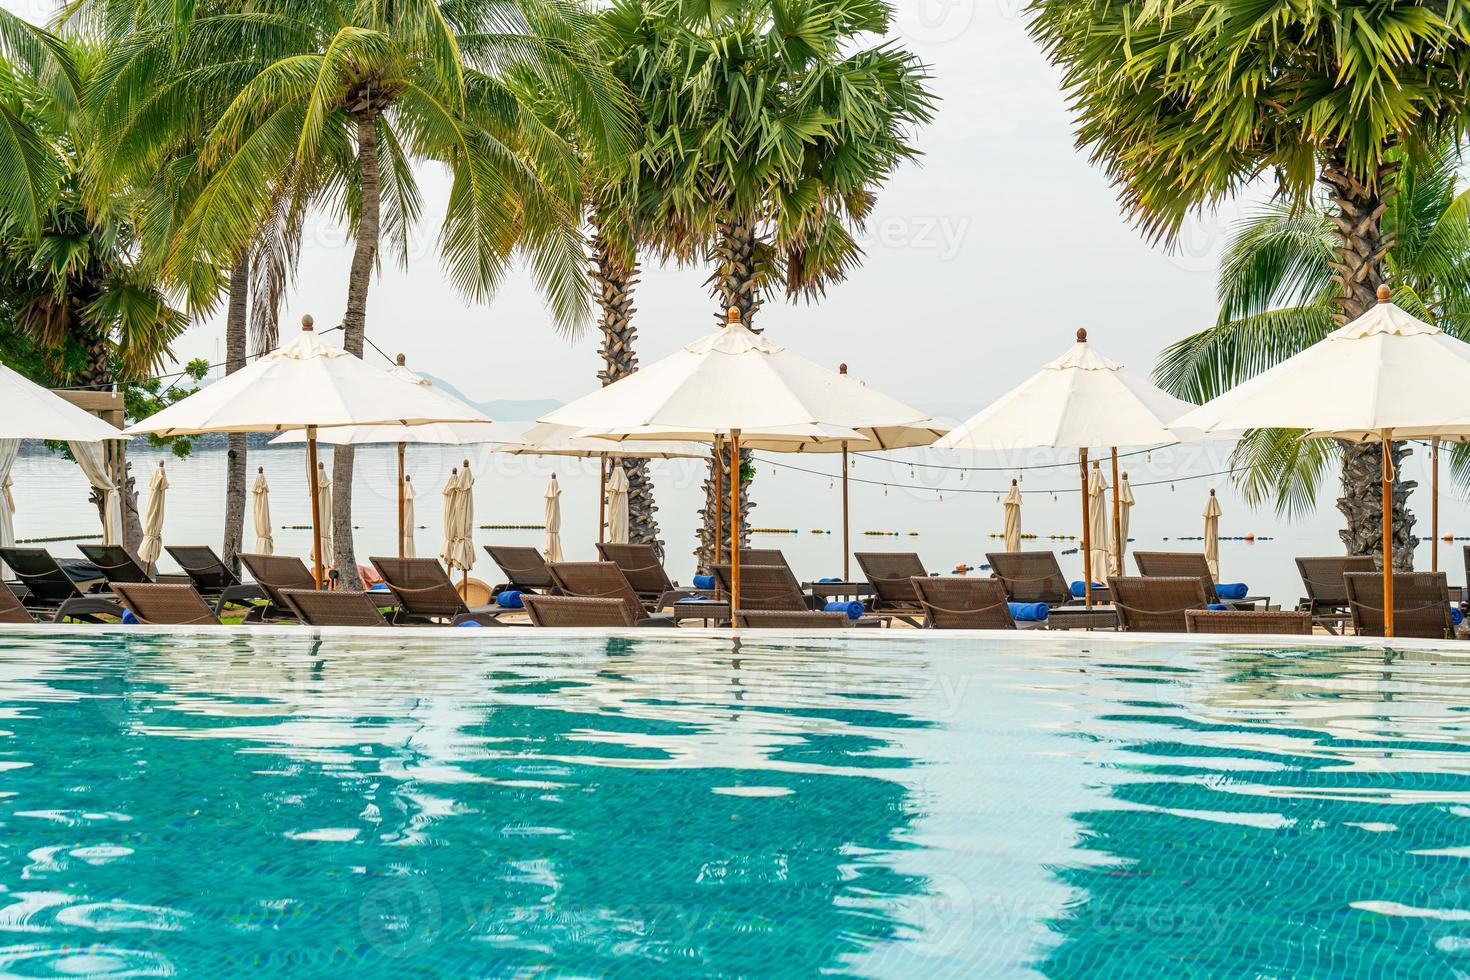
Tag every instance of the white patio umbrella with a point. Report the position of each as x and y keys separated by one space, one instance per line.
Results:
x=1382 y=377
x=1123 y=499
x=431 y=434
x=1097 y=522
x=451 y=515
x=323 y=503
x=553 y=521
x=1012 y=507
x=617 y=506
x=1212 y=534
x=1079 y=401
x=306 y=385
x=152 y=544
x=737 y=386
x=260 y=509
x=459 y=521
x=407 y=548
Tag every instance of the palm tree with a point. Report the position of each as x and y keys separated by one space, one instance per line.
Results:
x=769 y=128
x=1184 y=102
x=340 y=99
x=1279 y=295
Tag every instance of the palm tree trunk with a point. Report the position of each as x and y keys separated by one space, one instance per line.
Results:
x=235 y=466
x=354 y=328
x=734 y=284
x=616 y=278
x=1362 y=245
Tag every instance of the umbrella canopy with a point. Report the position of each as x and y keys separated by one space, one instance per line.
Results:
x=553 y=521
x=1012 y=506
x=152 y=544
x=547 y=439
x=324 y=505
x=1212 y=535
x=260 y=511
x=1123 y=494
x=1097 y=518
x=451 y=488
x=408 y=548
x=617 y=506
x=459 y=520
x=28 y=411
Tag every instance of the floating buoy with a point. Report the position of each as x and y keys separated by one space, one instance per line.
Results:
x=1250 y=537
x=512 y=527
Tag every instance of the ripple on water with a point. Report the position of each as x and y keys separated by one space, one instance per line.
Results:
x=121 y=916
x=94 y=961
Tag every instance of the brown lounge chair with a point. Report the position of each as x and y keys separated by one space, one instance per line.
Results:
x=115 y=563
x=772 y=588
x=273 y=575
x=165 y=605
x=778 y=619
x=891 y=575
x=428 y=596
x=1175 y=564
x=213 y=579
x=1259 y=621
x=1421 y=604
x=604 y=580
x=646 y=574
x=52 y=593
x=524 y=568
x=337 y=607
x=764 y=556
x=1031 y=576
x=11 y=611
x=964 y=603
x=1156 y=604
x=579 y=611
x=1327 y=598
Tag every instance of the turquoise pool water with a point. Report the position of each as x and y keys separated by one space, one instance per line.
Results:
x=894 y=805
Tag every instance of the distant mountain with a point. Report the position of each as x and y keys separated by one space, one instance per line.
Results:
x=501 y=409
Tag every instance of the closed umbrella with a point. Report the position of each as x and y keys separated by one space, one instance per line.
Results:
x=617 y=506
x=406 y=547
x=553 y=521
x=323 y=556
x=260 y=509
x=1118 y=536
x=1212 y=535
x=1097 y=522
x=451 y=517
x=1012 y=507
x=152 y=545
x=462 y=545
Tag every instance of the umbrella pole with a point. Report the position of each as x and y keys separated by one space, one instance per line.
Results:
x=601 y=499
x=1117 y=521
x=734 y=523
x=402 y=531
x=1434 y=506
x=1086 y=539
x=316 y=506
x=1387 y=536
x=719 y=505
x=846 y=548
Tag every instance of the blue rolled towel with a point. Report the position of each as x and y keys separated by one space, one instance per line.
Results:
x=510 y=599
x=1029 y=612
x=695 y=598
x=1079 y=589
x=1218 y=607
x=379 y=587
x=704 y=581
x=1232 y=590
x=853 y=608
x=471 y=624
x=824 y=580
x=1457 y=615
x=129 y=618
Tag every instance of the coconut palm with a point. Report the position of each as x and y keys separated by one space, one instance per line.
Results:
x=1185 y=102
x=1278 y=295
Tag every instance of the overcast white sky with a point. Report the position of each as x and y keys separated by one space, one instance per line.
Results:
x=981 y=262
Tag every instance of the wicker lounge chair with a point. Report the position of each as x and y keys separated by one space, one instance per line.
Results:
x=1274 y=622
x=604 y=580
x=427 y=594
x=213 y=579
x=524 y=568
x=764 y=556
x=1421 y=604
x=11 y=611
x=1327 y=598
x=771 y=587
x=1176 y=564
x=274 y=574
x=1031 y=576
x=336 y=607
x=52 y=593
x=115 y=563
x=579 y=611
x=777 y=619
x=1156 y=604
x=964 y=603
x=646 y=574
x=891 y=574
x=165 y=605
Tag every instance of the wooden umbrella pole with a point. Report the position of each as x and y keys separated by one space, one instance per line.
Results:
x=402 y=531
x=316 y=506
x=846 y=548
x=719 y=507
x=1117 y=521
x=1086 y=539
x=601 y=499
x=1387 y=535
x=1434 y=505
x=734 y=523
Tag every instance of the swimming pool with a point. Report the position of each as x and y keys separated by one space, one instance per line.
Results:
x=457 y=803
